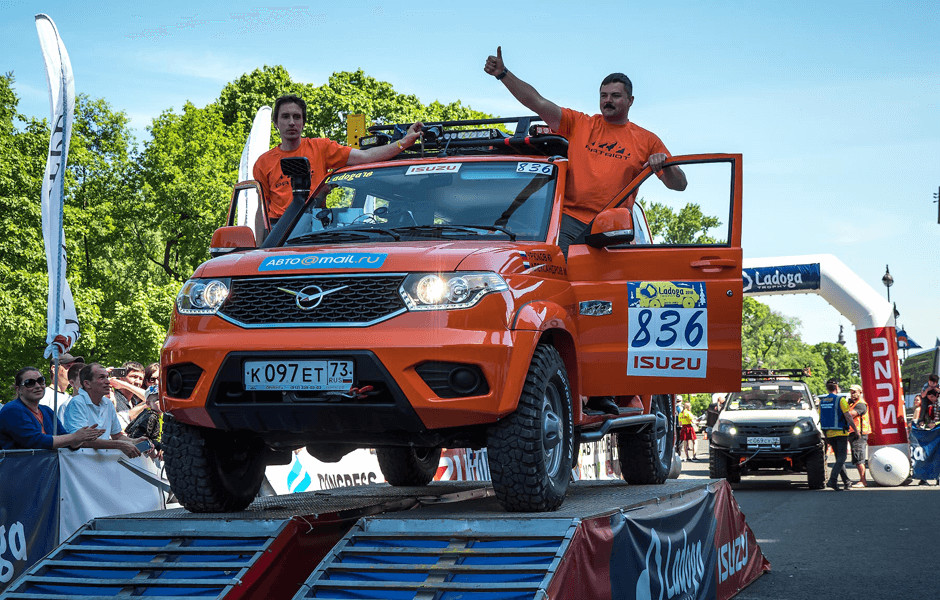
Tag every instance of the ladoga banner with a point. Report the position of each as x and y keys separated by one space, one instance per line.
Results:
x=695 y=546
x=925 y=450
x=28 y=510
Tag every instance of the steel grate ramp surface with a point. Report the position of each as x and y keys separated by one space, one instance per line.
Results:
x=125 y=558
x=428 y=559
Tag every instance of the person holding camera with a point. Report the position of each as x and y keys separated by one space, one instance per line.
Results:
x=127 y=391
x=858 y=439
x=92 y=406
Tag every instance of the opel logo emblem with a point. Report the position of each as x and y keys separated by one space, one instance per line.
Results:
x=311 y=296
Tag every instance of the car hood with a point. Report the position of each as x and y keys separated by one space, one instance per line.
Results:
x=767 y=417
x=402 y=257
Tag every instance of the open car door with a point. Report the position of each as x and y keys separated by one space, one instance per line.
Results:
x=246 y=208
x=671 y=300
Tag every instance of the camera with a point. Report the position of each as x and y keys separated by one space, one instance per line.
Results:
x=118 y=372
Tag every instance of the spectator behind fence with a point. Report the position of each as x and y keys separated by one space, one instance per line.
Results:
x=149 y=423
x=75 y=370
x=127 y=393
x=27 y=424
x=933 y=383
x=151 y=376
x=92 y=405
x=65 y=362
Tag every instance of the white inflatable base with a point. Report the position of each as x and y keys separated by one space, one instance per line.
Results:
x=889 y=467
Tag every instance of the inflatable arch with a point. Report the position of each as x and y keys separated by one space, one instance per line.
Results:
x=870 y=314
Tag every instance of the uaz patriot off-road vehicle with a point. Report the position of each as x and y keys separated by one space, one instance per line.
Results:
x=772 y=424
x=424 y=302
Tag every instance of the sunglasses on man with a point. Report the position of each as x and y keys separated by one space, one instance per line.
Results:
x=31 y=382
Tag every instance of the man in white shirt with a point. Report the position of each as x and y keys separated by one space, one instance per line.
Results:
x=92 y=406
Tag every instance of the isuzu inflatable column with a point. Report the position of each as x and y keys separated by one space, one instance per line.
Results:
x=872 y=316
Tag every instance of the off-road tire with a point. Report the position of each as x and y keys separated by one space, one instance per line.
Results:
x=717 y=465
x=531 y=451
x=816 y=469
x=408 y=466
x=646 y=456
x=210 y=470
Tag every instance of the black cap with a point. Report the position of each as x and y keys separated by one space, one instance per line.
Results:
x=832 y=382
x=67 y=359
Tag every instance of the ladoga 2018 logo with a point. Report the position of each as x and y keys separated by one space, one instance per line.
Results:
x=345 y=260
x=668 y=328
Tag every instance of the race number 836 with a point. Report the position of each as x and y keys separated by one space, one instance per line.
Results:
x=666 y=328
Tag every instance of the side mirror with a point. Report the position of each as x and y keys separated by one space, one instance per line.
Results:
x=612 y=227
x=230 y=239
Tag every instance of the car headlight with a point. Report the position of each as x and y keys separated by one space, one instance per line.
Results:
x=202 y=296
x=726 y=427
x=444 y=291
x=804 y=426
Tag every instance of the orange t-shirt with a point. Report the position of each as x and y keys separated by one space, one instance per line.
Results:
x=602 y=159
x=324 y=156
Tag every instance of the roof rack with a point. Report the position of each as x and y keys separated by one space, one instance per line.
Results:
x=763 y=374
x=531 y=136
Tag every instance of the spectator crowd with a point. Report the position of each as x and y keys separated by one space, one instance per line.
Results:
x=78 y=405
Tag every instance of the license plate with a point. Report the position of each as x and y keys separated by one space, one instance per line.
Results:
x=763 y=441
x=304 y=375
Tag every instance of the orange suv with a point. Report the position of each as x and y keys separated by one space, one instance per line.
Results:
x=423 y=303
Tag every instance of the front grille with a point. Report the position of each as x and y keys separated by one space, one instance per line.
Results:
x=765 y=430
x=365 y=299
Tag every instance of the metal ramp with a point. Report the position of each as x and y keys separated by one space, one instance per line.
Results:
x=125 y=558
x=424 y=559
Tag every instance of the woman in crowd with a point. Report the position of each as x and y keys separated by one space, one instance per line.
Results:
x=151 y=376
x=25 y=424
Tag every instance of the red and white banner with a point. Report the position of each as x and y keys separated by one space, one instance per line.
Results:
x=61 y=317
x=881 y=384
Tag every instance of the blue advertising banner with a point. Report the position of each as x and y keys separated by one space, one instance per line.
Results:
x=925 y=449
x=785 y=278
x=27 y=520
x=668 y=555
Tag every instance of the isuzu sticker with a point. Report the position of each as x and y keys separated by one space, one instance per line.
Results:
x=432 y=169
x=667 y=328
x=341 y=260
x=534 y=168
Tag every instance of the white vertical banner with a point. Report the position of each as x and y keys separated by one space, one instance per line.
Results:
x=61 y=317
x=248 y=208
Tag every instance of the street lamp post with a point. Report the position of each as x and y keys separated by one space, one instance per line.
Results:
x=888 y=280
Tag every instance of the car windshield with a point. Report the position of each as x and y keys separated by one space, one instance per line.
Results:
x=504 y=200
x=768 y=396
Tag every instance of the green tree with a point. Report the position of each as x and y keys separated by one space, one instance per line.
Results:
x=23 y=146
x=839 y=364
x=688 y=226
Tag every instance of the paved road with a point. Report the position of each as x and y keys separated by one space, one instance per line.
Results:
x=884 y=542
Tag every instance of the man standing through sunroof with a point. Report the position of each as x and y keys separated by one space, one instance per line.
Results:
x=605 y=151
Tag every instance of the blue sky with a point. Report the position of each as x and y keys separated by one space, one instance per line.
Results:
x=834 y=105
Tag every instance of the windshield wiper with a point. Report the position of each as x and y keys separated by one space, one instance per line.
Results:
x=343 y=232
x=441 y=228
